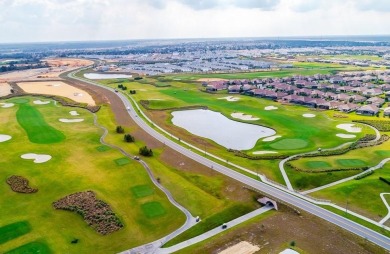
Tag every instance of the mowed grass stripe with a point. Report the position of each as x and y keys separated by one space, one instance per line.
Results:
x=31 y=248
x=37 y=129
x=14 y=230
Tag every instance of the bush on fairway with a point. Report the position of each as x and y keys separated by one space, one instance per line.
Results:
x=14 y=230
x=31 y=248
x=153 y=209
x=145 y=151
x=38 y=131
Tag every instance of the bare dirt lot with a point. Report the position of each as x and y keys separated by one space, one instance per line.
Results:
x=273 y=234
x=57 y=88
x=5 y=89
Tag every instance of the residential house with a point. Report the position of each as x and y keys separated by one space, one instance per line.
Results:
x=329 y=104
x=347 y=108
x=358 y=98
x=376 y=101
x=234 y=89
x=386 y=111
x=367 y=110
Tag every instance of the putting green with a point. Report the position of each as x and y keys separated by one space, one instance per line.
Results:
x=103 y=148
x=122 y=161
x=19 y=101
x=14 y=230
x=383 y=152
x=289 y=144
x=351 y=163
x=38 y=131
x=153 y=209
x=31 y=248
x=317 y=164
x=141 y=191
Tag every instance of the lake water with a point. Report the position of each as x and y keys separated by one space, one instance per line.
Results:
x=220 y=129
x=105 y=76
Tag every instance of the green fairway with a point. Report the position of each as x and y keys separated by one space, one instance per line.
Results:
x=383 y=152
x=351 y=162
x=122 y=161
x=153 y=209
x=103 y=148
x=37 y=129
x=141 y=191
x=317 y=164
x=289 y=144
x=14 y=230
x=19 y=101
x=31 y=248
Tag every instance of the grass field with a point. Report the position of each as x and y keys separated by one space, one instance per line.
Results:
x=31 y=248
x=141 y=191
x=348 y=163
x=317 y=164
x=37 y=129
x=122 y=161
x=14 y=230
x=103 y=148
x=76 y=165
x=153 y=209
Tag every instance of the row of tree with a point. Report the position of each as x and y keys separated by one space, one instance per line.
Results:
x=145 y=151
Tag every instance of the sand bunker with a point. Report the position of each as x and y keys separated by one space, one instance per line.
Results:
x=74 y=113
x=229 y=98
x=340 y=135
x=39 y=102
x=7 y=105
x=66 y=120
x=270 y=108
x=242 y=116
x=38 y=158
x=309 y=115
x=272 y=138
x=57 y=88
x=5 y=89
x=289 y=251
x=4 y=137
x=349 y=127
x=243 y=247
x=264 y=152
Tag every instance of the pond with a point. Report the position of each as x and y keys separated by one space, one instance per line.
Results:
x=105 y=76
x=220 y=129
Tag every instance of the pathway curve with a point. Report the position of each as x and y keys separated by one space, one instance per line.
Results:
x=380 y=165
x=388 y=208
x=190 y=220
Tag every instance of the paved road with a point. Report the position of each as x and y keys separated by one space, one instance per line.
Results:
x=351 y=226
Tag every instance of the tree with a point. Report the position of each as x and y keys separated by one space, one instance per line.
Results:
x=145 y=151
x=119 y=129
x=128 y=138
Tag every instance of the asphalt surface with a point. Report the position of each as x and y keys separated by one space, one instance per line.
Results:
x=348 y=225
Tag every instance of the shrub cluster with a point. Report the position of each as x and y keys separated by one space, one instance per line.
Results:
x=367 y=173
x=20 y=184
x=95 y=212
x=132 y=92
x=323 y=170
x=121 y=86
x=120 y=129
x=128 y=138
x=381 y=125
x=145 y=151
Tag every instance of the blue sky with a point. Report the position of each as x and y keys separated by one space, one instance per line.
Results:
x=69 y=20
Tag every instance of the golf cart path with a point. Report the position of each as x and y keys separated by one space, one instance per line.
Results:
x=388 y=207
x=380 y=165
x=190 y=220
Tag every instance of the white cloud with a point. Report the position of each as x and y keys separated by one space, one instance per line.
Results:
x=63 y=20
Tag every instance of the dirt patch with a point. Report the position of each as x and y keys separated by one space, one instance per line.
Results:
x=20 y=184
x=95 y=212
x=310 y=233
x=68 y=62
x=5 y=89
x=57 y=88
x=241 y=248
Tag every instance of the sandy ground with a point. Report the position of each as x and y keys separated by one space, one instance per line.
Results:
x=57 y=66
x=340 y=135
x=66 y=120
x=5 y=89
x=4 y=137
x=229 y=98
x=243 y=247
x=242 y=116
x=39 y=102
x=349 y=127
x=57 y=88
x=309 y=115
x=38 y=158
x=264 y=152
x=289 y=251
x=6 y=105
x=272 y=138
x=211 y=79
x=270 y=108
x=74 y=113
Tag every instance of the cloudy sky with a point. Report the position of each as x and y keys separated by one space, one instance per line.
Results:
x=74 y=20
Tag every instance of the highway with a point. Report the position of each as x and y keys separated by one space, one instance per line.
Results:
x=348 y=225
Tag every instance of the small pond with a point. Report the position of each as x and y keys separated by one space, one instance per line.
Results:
x=220 y=129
